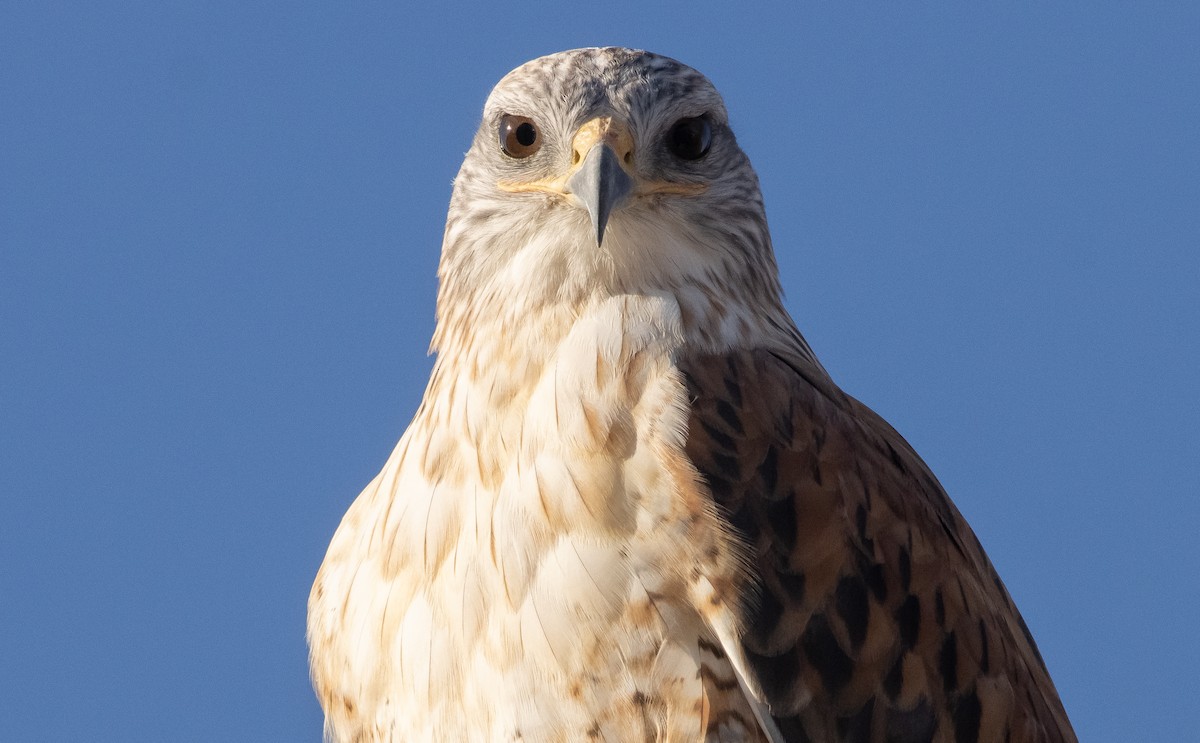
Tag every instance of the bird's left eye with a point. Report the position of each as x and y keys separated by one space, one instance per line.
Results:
x=519 y=136
x=690 y=138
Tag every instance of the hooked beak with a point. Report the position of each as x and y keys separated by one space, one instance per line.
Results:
x=601 y=185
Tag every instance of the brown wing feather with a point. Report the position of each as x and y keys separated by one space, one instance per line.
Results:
x=876 y=615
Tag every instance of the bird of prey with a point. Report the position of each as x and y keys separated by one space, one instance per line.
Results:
x=632 y=505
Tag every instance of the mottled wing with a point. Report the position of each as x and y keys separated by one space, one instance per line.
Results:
x=874 y=614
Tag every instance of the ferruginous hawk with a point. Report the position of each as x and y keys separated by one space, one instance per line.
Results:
x=632 y=505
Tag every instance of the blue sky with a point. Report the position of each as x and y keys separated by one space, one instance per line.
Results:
x=219 y=230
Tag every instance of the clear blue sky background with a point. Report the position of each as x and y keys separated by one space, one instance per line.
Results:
x=220 y=223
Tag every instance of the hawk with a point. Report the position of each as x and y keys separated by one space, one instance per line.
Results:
x=632 y=505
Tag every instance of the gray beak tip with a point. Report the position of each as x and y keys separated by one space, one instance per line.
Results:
x=602 y=185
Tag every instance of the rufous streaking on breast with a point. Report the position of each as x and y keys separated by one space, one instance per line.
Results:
x=632 y=506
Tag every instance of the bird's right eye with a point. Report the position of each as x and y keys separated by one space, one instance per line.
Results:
x=519 y=136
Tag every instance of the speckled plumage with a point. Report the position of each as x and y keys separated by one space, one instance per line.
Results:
x=632 y=505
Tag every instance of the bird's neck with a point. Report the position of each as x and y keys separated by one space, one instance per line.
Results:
x=486 y=337
x=496 y=350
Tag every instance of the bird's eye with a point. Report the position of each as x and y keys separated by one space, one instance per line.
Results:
x=690 y=138
x=519 y=136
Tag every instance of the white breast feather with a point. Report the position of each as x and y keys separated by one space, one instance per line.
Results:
x=469 y=589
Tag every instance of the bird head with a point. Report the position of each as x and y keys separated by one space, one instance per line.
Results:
x=605 y=170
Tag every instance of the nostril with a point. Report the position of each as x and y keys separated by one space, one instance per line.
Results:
x=629 y=157
x=575 y=157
